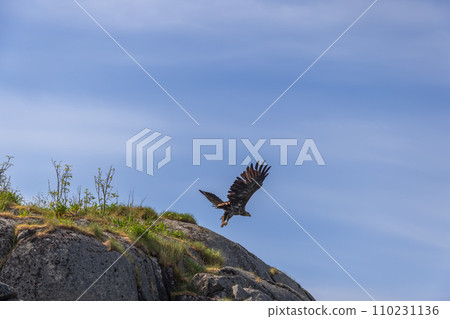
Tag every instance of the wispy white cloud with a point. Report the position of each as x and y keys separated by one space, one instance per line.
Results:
x=399 y=38
x=50 y=122
x=140 y=15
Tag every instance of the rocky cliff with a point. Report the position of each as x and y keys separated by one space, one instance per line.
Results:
x=61 y=263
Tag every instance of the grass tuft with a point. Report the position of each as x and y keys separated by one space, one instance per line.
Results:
x=184 y=217
x=273 y=271
x=114 y=244
x=211 y=257
x=96 y=230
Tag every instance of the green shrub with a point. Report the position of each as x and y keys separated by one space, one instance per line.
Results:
x=8 y=199
x=120 y=222
x=159 y=228
x=178 y=234
x=138 y=230
x=5 y=180
x=104 y=188
x=60 y=194
x=184 y=217
x=60 y=209
x=8 y=196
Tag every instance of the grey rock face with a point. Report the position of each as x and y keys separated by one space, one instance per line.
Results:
x=63 y=264
x=6 y=238
x=7 y=292
x=240 y=293
x=239 y=284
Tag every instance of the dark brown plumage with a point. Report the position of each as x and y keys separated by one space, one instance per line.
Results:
x=240 y=192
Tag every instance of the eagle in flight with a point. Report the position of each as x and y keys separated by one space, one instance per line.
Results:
x=240 y=192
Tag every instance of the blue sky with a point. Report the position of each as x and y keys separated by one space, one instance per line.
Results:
x=376 y=105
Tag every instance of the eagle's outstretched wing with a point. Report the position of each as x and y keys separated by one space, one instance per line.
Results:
x=212 y=198
x=243 y=188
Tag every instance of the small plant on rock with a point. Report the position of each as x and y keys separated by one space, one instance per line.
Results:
x=60 y=194
x=8 y=196
x=104 y=188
